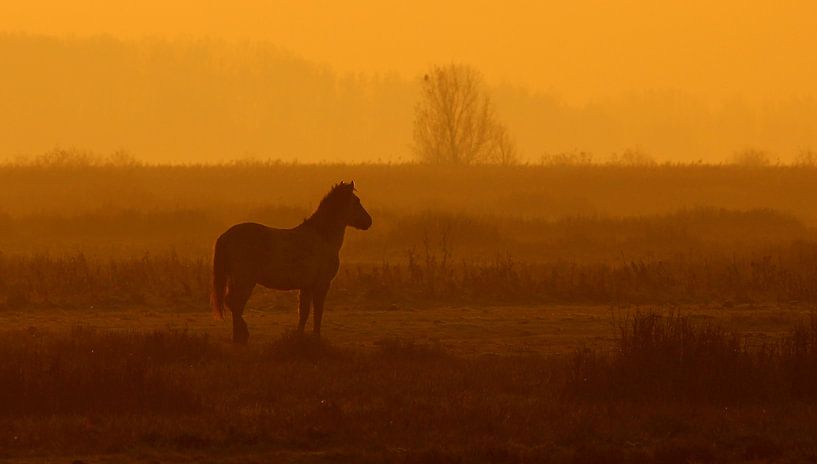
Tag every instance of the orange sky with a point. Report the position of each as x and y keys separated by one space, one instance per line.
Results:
x=580 y=49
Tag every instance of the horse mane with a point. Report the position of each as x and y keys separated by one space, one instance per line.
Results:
x=330 y=204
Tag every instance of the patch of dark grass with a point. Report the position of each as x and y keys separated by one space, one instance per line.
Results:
x=396 y=348
x=296 y=346
x=88 y=371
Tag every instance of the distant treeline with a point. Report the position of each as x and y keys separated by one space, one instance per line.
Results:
x=258 y=190
x=213 y=100
x=397 y=237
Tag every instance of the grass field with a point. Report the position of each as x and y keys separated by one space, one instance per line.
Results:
x=460 y=330
x=436 y=385
x=490 y=315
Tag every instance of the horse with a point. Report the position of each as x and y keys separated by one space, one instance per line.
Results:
x=304 y=258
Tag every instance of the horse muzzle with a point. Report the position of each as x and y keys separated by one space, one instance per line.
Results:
x=363 y=223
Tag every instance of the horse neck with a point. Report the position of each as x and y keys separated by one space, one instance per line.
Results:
x=332 y=230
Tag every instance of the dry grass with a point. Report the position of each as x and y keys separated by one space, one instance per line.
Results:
x=672 y=389
x=129 y=394
x=786 y=274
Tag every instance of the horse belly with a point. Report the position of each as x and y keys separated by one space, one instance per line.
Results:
x=288 y=274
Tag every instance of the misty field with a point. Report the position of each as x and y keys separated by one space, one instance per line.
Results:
x=548 y=313
x=659 y=387
x=75 y=234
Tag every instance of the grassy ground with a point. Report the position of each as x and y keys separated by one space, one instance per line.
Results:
x=385 y=385
x=460 y=330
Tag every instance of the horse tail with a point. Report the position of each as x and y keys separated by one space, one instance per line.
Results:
x=219 y=287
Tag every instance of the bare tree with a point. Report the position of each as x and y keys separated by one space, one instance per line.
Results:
x=504 y=149
x=455 y=121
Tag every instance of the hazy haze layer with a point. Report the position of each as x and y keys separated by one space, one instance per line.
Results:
x=679 y=80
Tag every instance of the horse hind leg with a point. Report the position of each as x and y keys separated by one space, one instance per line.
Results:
x=236 y=299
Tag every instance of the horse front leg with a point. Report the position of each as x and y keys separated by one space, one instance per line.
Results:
x=318 y=298
x=304 y=302
x=240 y=332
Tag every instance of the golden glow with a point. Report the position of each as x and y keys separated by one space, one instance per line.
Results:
x=579 y=49
x=708 y=54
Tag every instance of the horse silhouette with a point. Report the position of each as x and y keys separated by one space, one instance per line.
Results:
x=303 y=258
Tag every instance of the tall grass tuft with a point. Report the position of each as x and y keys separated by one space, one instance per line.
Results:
x=671 y=357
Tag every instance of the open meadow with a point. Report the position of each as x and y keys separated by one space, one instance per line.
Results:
x=543 y=313
x=373 y=232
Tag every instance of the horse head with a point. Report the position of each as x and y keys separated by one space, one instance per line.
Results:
x=356 y=215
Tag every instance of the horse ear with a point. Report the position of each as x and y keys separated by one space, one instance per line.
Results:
x=352 y=184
